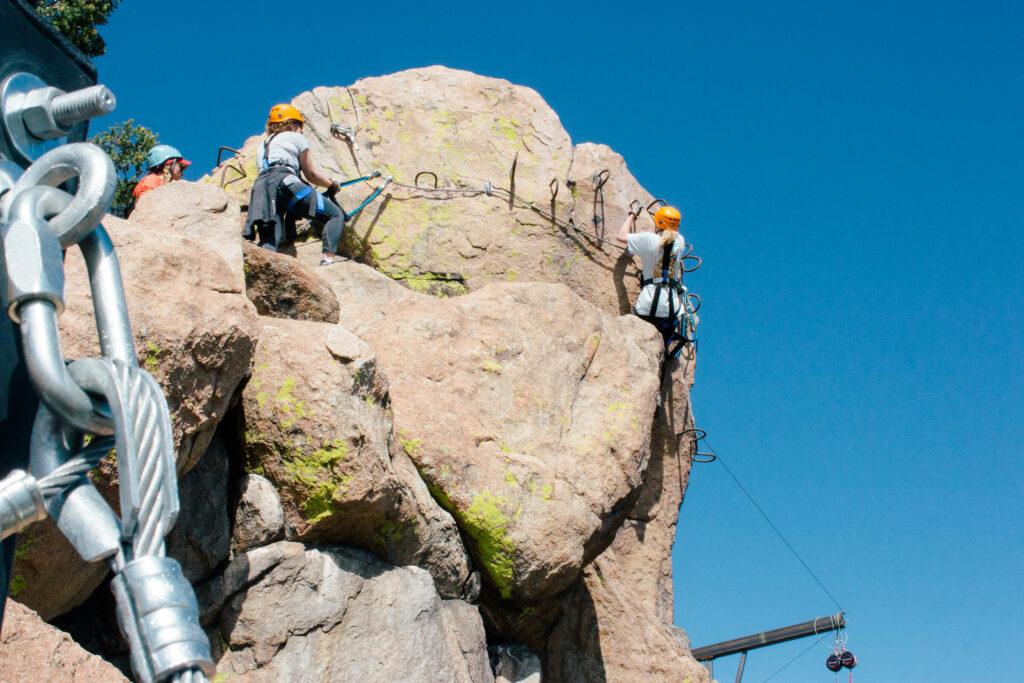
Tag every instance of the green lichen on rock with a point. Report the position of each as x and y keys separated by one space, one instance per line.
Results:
x=411 y=446
x=492 y=367
x=441 y=497
x=315 y=472
x=18 y=584
x=506 y=128
x=488 y=526
x=25 y=541
x=391 y=531
x=545 y=492
x=256 y=382
x=288 y=405
x=153 y=353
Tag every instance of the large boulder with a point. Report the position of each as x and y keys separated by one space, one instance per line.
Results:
x=469 y=131
x=199 y=211
x=605 y=634
x=194 y=328
x=526 y=409
x=318 y=426
x=259 y=517
x=300 y=613
x=615 y=622
x=643 y=546
x=32 y=650
x=281 y=287
x=48 y=576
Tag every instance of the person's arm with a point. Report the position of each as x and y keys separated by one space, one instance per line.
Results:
x=628 y=226
x=311 y=172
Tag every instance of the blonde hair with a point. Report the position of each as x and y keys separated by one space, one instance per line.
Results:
x=667 y=237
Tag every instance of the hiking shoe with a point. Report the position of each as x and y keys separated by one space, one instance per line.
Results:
x=326 y=261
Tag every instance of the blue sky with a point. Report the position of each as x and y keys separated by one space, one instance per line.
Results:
x=852 y=176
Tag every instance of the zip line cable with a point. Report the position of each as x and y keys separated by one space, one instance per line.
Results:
x=772 y=525
x=784 y=666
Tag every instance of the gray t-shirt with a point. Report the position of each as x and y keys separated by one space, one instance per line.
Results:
x=284 y=147
x=647 y=245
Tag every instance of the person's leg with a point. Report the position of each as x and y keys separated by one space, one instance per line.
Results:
x=333 y=219
x=329 y=215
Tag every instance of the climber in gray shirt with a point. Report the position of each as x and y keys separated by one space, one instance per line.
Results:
x=280 y=195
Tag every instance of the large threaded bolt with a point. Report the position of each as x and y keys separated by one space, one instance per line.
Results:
x=83 y=104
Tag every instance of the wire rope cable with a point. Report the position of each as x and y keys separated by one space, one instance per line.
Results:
x=786 y=665
x=350 y=133
x=774 y=528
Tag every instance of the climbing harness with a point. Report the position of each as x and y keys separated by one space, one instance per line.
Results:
x=840 y=658
x=678 y=328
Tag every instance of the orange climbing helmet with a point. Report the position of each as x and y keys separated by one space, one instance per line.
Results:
x=667 y=218
x=284 y=112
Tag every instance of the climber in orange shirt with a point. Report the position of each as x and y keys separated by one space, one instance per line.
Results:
x=165 y=164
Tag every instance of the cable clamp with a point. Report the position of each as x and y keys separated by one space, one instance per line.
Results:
x=159 y=613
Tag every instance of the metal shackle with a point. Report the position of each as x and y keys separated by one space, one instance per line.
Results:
x=159 y=614
x=97 y=181
x=35 y=265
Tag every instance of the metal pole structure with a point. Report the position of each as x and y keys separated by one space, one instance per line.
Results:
x=779 y=635
x=739 y=671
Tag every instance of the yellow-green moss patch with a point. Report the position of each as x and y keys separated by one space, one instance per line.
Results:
x=488 y=526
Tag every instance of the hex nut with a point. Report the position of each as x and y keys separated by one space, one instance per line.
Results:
x=37 y=113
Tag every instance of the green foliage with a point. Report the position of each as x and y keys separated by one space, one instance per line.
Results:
x=77 y=20
x=127 y=144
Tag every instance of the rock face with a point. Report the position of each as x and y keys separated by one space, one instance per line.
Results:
x=313 y=614
x=615 y=621
x=318 y=426
x=468 y=130
x=457 y=429
x=32 y=650
x=259 y=517
x=195 y=330
x=201 y=213
x=525 y=410
x=281 y=287
x=201 y=538
x=48 y=575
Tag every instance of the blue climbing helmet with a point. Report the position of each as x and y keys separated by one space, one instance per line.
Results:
x=162 y=153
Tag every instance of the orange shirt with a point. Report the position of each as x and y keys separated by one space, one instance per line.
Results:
x=149 y=182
